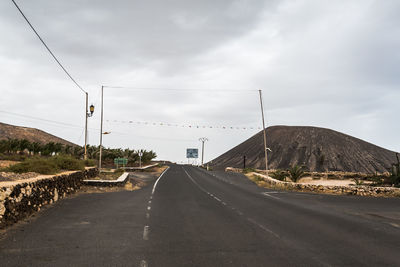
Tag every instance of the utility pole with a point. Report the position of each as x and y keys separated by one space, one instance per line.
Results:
x=265 y=135
x=87 y=115
x=101 y=127
x=202 y=140
x=86 y=121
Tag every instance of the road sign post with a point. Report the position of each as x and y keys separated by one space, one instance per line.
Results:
x=192 y=153
x=121 y=161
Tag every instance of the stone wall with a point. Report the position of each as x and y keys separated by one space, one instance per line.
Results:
x=20 y=199
x=336 y=190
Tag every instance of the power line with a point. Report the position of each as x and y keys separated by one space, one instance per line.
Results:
x=186 y=125
x=178 y=89
x=48 y=49
x=67 y=125
x=41 y=119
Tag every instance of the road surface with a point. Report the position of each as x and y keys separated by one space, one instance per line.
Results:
x=191 y=217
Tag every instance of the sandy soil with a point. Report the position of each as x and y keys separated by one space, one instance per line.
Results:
x=328 y=182
x=6 y=163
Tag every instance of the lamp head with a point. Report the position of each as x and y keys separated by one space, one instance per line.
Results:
x=91 y=108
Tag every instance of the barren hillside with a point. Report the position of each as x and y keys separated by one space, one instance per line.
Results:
x=31 y=134
x=319 y=149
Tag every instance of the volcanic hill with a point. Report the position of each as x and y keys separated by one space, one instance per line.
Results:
x=31 y=134
x=318 y=149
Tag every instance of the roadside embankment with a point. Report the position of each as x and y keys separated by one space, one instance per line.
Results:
x=19 y=199
x=360 y=190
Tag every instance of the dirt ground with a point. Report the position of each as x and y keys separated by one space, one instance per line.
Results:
x=7 y=163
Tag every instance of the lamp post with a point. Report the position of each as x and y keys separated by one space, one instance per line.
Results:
x=140 y=154
x=202 y=140
x=87 y=115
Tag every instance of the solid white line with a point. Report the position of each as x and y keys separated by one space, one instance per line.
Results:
x=146 y=232
x=155 y=184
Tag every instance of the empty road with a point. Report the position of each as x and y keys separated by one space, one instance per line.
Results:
x=191 y=217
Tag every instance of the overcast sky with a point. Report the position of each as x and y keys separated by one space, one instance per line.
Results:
x=332 y=64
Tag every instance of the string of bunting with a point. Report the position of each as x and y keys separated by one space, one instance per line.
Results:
x=194 y=126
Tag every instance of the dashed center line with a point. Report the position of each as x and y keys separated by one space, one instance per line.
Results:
x=268 y=195
x=264 y=228
x=146 y=231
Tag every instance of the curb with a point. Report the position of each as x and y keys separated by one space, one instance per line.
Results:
x=120 y=181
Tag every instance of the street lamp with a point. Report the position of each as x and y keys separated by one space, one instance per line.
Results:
x=87 y=115
x=202 y=139
x=140 y=154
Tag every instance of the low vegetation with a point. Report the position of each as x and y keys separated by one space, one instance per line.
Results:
x=358 y=181
x=296 y=172
x=279 y=175
x=49 y=165
x=111 y=175
x=47 y=156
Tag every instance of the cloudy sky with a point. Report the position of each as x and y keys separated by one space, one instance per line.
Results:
x=333 y=64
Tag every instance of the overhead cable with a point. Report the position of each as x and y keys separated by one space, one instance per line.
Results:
x=177 y=89
x=48 y=49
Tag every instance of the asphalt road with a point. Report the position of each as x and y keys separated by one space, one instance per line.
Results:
x=190 y=217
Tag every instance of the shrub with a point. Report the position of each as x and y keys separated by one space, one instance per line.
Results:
x=90 y=162
x=50 y=165
x=38 y=165
x=296 y=173
x=68 y=163
x=358 y=181
x=279 y=175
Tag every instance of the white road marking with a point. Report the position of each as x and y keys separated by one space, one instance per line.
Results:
x=237 y=211
x=148 y=208
x=143 y=263
x=263 y=227
x=155 y=184
x=146 y=232
x=147 y=215
x=267 y=194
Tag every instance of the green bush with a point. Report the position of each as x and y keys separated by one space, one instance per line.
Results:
x=358 y=181
x=279 y=175
x=90 y=162
x=296 y=173
x=68 y=163
x=50 y=165
x=38 y=165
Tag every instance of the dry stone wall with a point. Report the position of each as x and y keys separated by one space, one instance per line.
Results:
x=336 y=190
x=19 y=200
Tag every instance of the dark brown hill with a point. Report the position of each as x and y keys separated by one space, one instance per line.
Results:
x=31 y=134
x=319 y=149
